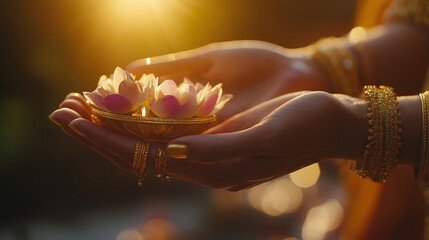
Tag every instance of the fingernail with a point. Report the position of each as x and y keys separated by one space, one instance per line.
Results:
x=177 y=151
x=76 y=130
x=53 y=120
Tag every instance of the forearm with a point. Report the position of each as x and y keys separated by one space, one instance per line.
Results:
x=395 y=54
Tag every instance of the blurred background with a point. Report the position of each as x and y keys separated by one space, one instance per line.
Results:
x=54 y=188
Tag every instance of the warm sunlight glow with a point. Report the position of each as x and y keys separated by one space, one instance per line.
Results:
x=357 y=34
x=322 y=219
x=147 y=61
x=154 y=22
x=144 y=112
x=306 y=177
x=276 y=198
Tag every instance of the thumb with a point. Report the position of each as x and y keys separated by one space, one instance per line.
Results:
x=218 y=147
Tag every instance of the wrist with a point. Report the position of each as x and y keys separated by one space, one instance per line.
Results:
x=352 y=143
x=354 y=134
x=315 y=77
x=411 y=109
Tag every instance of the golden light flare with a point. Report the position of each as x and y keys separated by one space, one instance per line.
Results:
x=155 y=23
x=306 y=177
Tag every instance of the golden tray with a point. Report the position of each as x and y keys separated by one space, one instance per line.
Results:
x=152 y=129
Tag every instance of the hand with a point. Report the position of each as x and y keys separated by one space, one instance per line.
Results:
x=265 y=142
x=253 y=71
x=276 y=138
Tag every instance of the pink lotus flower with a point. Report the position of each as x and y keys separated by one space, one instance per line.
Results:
x=187 y=100
x=121 y=93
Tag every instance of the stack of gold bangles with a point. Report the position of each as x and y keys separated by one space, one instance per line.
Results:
x=140 y=161
x=381 y=153
x=423 y=168
x=339 y=63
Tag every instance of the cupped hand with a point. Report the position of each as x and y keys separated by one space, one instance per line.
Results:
x=265 y=142
x=253 y=71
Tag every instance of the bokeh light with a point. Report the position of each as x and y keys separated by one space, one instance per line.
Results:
x=159 y=229
x=306 y=177
x=357 y=34
x=276 y=198
x=130 y=234
x=322 y=219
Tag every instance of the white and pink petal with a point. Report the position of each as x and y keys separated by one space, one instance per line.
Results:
x=118 y=104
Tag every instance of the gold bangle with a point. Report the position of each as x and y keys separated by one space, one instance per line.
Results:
x=381 y=153
x=140 y=160
x=161 y=162
x=339 y=64
x=423 y=168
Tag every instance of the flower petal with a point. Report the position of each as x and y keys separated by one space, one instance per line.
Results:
x=101 y=91
x=222 y=101
x=188 y=109
x=168 y=87
x=207 y=105
x=95 y=100
x=128 y=89
x=144 y=95
x=117 y=103
x=147 y=78
x=118 y=76
x=167 y=106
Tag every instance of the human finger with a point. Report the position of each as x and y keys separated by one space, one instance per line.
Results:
x=64 y=116
x=120 y=145
x=77 y=106
x=218 y=147
x=77 y=97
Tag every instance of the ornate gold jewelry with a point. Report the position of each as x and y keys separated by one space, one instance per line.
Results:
x=381 y=153
x=339 y=64
x=161 y=162
x=177 y=151
x=423 y=168
x=140 y=160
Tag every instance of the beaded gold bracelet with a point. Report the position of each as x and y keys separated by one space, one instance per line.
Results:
x=339 y=64
x=423 y=168
x=381 y=153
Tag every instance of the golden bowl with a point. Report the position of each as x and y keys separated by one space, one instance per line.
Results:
x=153 y=129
